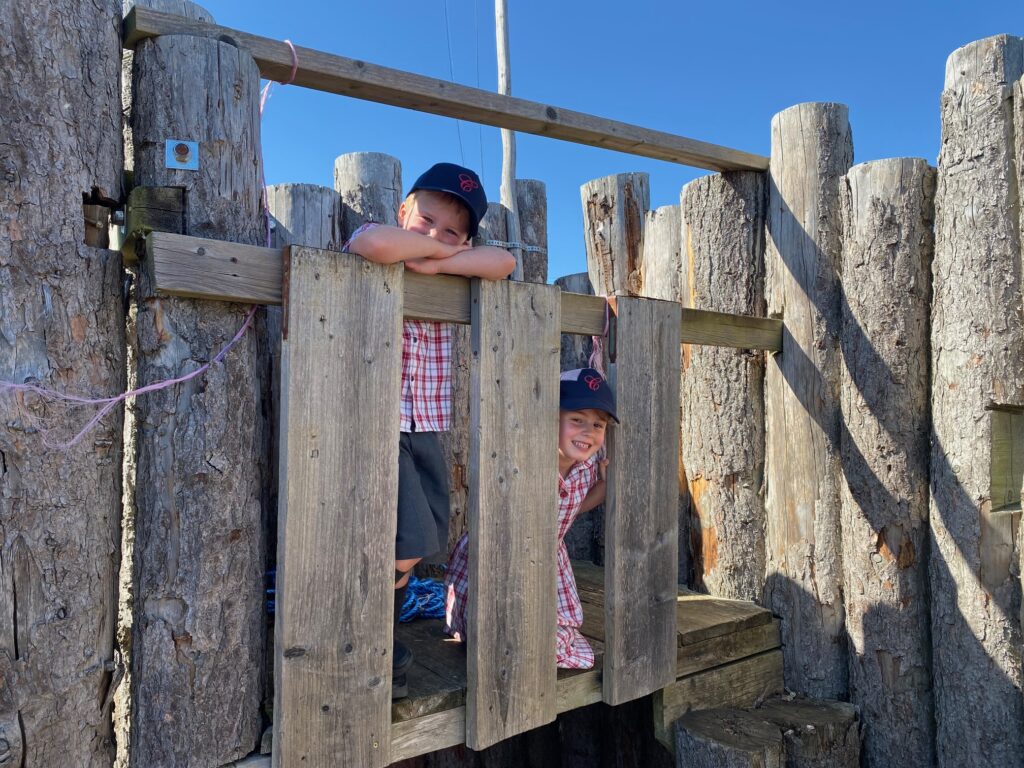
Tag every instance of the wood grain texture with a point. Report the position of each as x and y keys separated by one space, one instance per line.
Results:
x=641 y=547
x=362 y=80
x=370 y=185
x=513 y=462
x=660 y=278
x=723 y=389
x=338 y=495
x=811 y=151
x=739 y=684
x=728 y=738
x=818 y=734
x=198 y=633
x=977 y=344
x=301 y=214
x=532 y=202
x=614 y=208
x=61 y=327
x=888 y=212
x=256 y=278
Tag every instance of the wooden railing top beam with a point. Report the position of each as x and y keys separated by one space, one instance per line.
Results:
x=358 y=79
x=199 y=268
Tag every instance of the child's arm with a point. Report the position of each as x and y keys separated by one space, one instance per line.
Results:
x=595 y=496
x=485 y=261
x=386 y=245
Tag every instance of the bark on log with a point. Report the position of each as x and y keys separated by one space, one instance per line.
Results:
x=723 y=389
x=370 y=185
x=811 y=151
x=728 y=738
x=198 y=634
x=888 y=213
x=532 y=201
x=818 y=734
x=977 y=349
x=614 y=208
x=585 y=539
x=179 y=8
x=62 y=327
x=660 y=277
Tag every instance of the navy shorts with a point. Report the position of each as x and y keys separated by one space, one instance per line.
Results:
x=422 y=498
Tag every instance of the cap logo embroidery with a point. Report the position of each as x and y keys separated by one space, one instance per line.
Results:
x=467 y=183
x=593 y=382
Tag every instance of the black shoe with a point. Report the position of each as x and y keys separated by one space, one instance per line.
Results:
x=399 y=687
x=401 y=656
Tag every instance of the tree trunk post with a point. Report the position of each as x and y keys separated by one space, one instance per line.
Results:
x=199 y=630
x=811 y=150
x=370 y=185
x=62 y=327
x=660 y=278
x=614 y=208
x=888 y=213
x=532 y=199
x=723 y=435
x=977 y=346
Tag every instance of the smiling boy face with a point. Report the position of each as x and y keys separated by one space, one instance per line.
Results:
x=580 y=435
x=436 y=215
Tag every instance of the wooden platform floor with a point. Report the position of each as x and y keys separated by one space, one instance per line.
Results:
x=728 y=656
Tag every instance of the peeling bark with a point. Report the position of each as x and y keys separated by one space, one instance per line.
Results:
x=62 y=327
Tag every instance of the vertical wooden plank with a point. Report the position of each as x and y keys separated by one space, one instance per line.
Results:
x=512 y=509
x=641 y=525
x=336 y=525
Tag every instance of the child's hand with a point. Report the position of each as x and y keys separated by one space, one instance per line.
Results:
x=423 y=266
x=602 y=470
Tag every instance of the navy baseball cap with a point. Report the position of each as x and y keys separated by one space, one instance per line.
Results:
x=460 y=182
x=586 y=388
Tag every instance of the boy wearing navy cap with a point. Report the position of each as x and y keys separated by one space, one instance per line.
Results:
x=436 y=223
x=586 y=406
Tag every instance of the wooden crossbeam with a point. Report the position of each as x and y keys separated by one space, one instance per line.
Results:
x=199 y=268
x=358 y=79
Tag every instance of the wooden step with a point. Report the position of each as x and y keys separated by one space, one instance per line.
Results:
x=715 y=636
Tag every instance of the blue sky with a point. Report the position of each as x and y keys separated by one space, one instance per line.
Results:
x=714 y=71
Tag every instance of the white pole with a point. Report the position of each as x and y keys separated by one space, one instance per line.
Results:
x=508 y=138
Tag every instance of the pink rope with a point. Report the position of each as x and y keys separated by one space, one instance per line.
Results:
x=596 y=360
x=109 y=403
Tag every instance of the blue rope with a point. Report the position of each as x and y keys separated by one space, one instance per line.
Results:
x=424 y=598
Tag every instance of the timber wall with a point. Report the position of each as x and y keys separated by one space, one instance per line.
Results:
x=864 y=483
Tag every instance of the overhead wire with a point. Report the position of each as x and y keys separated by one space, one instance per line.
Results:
x=451 y=73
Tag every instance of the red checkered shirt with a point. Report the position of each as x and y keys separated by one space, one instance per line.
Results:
x=572 y=651
x=426 y=371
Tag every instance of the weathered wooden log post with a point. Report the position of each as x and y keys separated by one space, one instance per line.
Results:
x=811 y=150
x=614 y=208
x=1018 y=131
x=977 y=391
x=887 y=208
x=660 y=273
x=370 y=185
x=532 y=202
x=62 y=327
x=198 y=633
x=723 y=389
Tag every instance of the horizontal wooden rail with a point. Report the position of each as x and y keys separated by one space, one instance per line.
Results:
x=358 y=79
x=215 y=269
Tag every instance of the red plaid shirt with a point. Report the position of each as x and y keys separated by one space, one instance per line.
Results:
x=426 y=371
x=572 y=651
